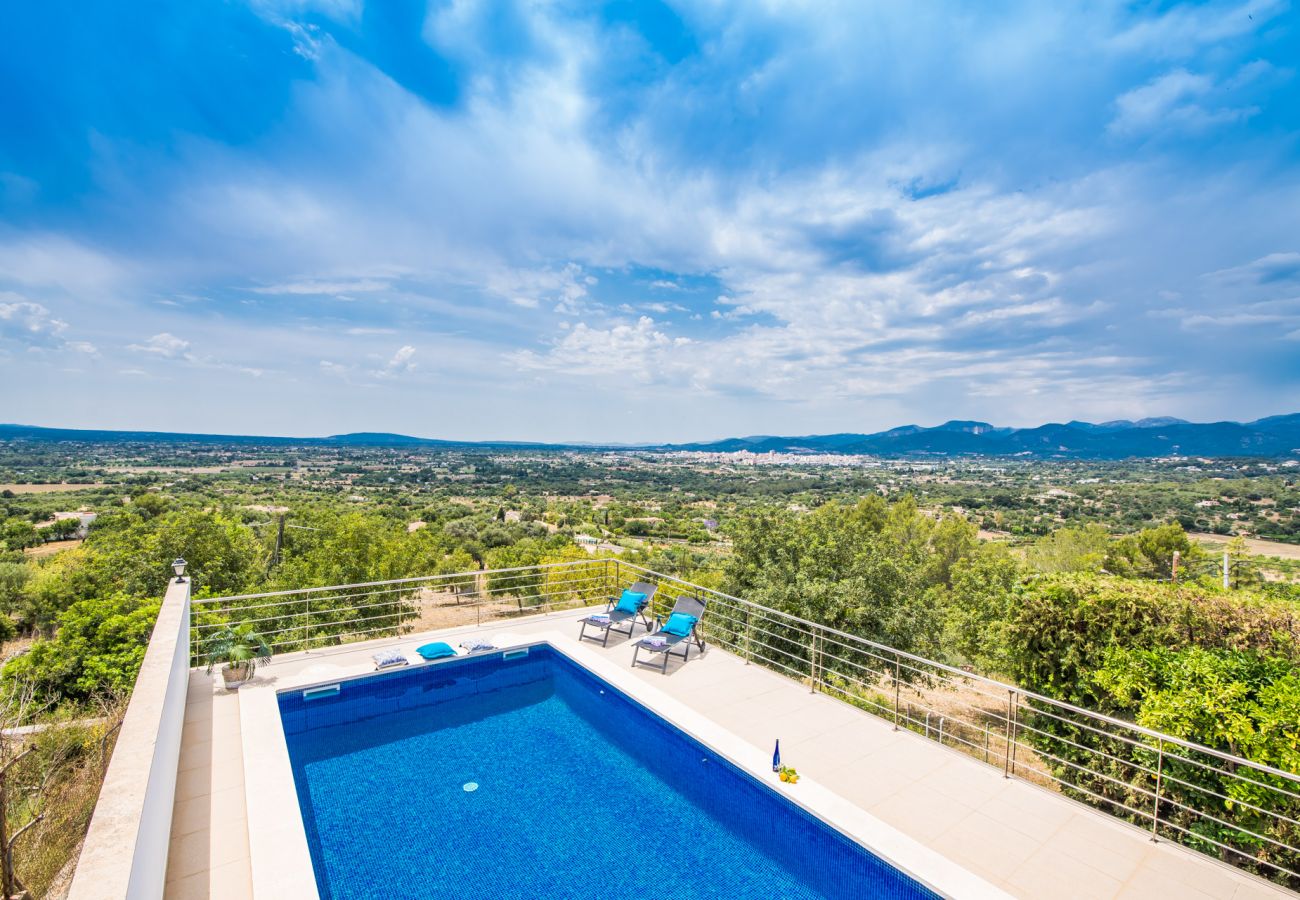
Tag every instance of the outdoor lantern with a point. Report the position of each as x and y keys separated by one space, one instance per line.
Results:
x=179 y=568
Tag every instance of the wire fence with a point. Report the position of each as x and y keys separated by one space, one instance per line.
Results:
x=1238 y=811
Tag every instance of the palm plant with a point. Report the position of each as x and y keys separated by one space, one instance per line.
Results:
x=239 y=648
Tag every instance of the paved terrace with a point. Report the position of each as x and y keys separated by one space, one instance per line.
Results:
x=1022 y=838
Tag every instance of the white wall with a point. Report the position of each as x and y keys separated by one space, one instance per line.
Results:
x=125 y=853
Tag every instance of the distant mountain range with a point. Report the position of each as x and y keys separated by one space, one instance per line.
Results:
x=1272 y=437
x=1275 y=436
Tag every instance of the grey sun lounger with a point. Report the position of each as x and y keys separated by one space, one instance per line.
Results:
x=663 y=642
x=613 y=618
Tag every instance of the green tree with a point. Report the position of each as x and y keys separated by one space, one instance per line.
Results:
x=1081 y=549
x=1150 y=552
x=97 y=648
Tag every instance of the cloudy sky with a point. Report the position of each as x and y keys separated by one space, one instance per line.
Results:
x=646 y=221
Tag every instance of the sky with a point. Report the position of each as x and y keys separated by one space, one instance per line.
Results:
x=646 y=221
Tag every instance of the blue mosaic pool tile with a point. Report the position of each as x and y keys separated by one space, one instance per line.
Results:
x=532 y=778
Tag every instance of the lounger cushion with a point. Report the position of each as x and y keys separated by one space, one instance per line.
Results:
x=680 y=624
x=630 y=601
x=436 y=650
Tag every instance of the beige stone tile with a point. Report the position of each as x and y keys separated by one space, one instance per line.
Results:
x=835 y=749
x=1254 y=889
x=1181 y=866
x=920 y=811
x=189 y=816
x=910 y=755
x=1050 y=873
x=967 y=783
x=1146 y=885
x=201 y=851
x=228 y=882
x=1028 y=810
x=232 y=881
x=189 y=854
x=811 y=720
x=227 y=806
x=864 y=785
x=229 y=842
x=194 y=755
x=193 y=783
x=197 y=730
x=1112 y=847
x=191 y=887
x=985 y=846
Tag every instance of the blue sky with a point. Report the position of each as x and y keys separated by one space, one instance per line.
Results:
x=643 y=220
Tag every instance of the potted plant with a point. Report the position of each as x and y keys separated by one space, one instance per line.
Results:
x=239 y=649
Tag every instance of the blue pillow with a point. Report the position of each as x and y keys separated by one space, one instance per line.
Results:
x=630 y=602
x=436 y=650
x=680 y=624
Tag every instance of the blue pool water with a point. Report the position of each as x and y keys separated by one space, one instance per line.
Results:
x=581 y=793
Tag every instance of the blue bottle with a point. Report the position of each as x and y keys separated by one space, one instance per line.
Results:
x=776 y=757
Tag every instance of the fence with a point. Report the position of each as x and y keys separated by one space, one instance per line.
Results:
x=1242 y=812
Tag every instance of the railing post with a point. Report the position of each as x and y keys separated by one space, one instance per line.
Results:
x=986 y=742
x=1160 y=773
x=896 y=689
x=307 y=639
x=749 y=635
x=1011 y=733
x=812 y=666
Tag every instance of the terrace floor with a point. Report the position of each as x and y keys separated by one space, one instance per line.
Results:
x=1019 y=837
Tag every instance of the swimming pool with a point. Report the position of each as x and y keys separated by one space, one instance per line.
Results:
x=524 y=775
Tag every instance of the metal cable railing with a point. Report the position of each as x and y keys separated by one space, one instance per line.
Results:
x=1234 y=809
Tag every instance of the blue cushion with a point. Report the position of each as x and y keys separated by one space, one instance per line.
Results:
x=680 y=624
x=436 y=650
x=630 y=602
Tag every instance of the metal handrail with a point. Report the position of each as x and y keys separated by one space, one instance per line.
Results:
x=339 y=587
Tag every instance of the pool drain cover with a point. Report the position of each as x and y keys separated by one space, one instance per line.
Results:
x=471 y=787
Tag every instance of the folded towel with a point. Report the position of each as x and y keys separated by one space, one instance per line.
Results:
x=386 y=659
x=599 y=619
x=474 y=645
x=654 y=641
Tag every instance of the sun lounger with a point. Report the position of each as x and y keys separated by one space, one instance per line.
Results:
x=680 y=629
x=624 y=609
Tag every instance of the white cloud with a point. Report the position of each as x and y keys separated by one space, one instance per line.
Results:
x=401 y=363
x=1186 y=28
x=164 y=344
x=28 y=322
x=167 y=346
x=1178 y=100
x=326 y=287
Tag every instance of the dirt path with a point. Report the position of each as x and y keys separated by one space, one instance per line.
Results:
x=1257 y=546
x=49 y=488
